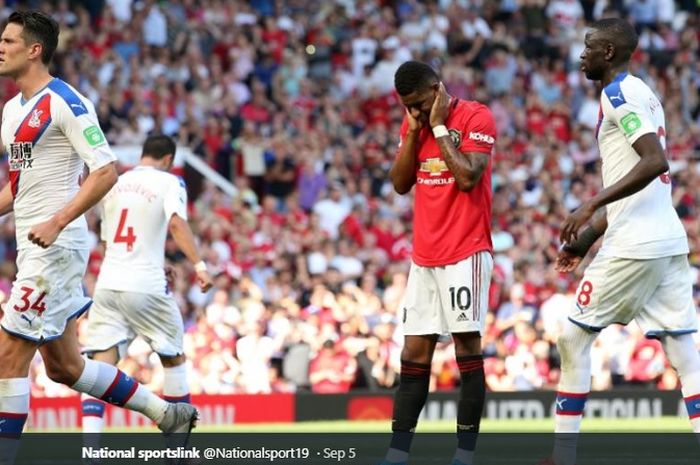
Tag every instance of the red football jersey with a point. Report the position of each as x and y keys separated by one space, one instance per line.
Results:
x=450 y=225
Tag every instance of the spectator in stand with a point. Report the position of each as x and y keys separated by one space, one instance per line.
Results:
x=513 y=311
x=333 y=210
x=331 y=371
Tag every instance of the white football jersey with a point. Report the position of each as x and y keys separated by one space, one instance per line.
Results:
x=135 y=217
x=644 y=225
x=48 y=139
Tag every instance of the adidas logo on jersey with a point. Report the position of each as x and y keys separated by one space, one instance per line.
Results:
x=462 y=317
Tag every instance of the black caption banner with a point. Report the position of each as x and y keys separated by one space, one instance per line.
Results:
x=341 y=448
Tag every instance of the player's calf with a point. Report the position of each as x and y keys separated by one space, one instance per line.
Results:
x=16 y=355
x=175 y=386
x=574 y=346
x=471 y=404
x=408 y=403
x=93 y=411
x=684 y=358
x=14 y=408
x=63 y=371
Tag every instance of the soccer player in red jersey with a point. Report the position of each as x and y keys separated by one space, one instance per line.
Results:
x=445 y=151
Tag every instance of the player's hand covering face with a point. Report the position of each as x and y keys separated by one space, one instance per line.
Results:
x=441 y=107
x=413 y=123
x=419 y=104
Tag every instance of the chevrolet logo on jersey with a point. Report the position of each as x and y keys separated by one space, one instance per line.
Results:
x=434 y=166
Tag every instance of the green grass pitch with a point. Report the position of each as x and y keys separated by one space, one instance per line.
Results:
x=545 y=425
x=589 y=425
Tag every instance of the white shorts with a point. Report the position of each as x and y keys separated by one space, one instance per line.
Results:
x=447 y=299
x=657 y=293
x=117 y=317
x=47 y=292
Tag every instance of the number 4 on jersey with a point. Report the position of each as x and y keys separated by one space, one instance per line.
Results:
x=129 y=238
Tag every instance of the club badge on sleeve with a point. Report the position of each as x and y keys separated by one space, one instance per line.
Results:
x=456 y=137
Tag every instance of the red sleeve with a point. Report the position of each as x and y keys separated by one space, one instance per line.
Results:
x=479 y=131
x=402 y=135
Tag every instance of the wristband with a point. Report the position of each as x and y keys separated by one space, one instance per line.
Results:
x=200 y=266
x=440 y=131
x=584 y=242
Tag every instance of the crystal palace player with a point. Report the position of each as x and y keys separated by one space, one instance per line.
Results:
x=131 y=294
x=50 y=131
x=641 y=271
x=444 y=150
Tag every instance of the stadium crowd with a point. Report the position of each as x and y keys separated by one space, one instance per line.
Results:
x=292 y=100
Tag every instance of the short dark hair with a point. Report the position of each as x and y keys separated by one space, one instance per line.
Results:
x=39 y=27
x=620 y=33
x=414 y=75
x=158 y=146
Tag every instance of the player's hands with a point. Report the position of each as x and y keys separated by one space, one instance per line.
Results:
x=413 y=123
x=566 y=262
x=44 y=234
x=573 y=222
x=441 y=107
x=204 y=280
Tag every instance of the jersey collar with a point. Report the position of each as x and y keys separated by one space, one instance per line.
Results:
x=21 y=98
x=620 y=77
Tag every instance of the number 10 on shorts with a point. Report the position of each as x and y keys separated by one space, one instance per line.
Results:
x=461 y=299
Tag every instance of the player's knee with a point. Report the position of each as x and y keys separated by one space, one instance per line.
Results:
x=171 y=362
x=63 y=373
x=467 y=344
x=56 y=374
x=15 y=356
x=416 y=355
x=566 y=346
x=681 y=353
x=12 y=367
